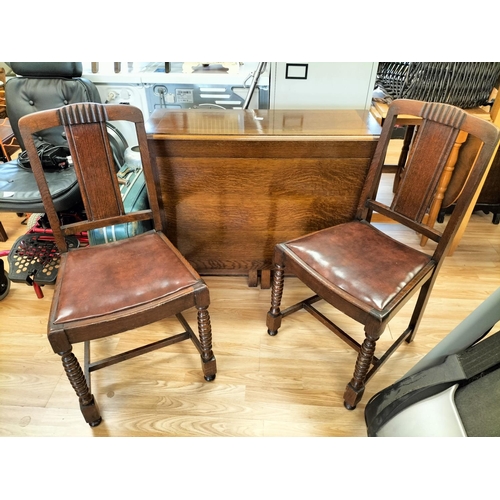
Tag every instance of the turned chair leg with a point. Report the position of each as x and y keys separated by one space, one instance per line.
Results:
x=356 y=387
x=208 y=362
x=274 y=315
x=88 y=406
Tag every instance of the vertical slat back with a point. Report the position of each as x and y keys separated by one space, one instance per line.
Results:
x=428 y=156
x=86 y=132
x=439 y=127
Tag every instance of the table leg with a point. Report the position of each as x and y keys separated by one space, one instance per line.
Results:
x=253 y=278
x=265 y=278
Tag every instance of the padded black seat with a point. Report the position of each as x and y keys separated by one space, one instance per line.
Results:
x=19 y=191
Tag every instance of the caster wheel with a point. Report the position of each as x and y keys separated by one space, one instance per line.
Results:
x=271 y=333
x=209 y=378
x=4 y=285
x=347 y=406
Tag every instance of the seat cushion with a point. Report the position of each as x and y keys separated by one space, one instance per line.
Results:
x=19 y=190
x=361 y=260
x=98 y=280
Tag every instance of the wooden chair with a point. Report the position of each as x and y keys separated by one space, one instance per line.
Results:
x=108 y=289
x=364 y=273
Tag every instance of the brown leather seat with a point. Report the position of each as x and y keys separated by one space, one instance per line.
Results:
x=107 y=289
x=348 y=268
x=366 y=274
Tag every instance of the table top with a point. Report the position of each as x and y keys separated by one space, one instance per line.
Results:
x=339 y=123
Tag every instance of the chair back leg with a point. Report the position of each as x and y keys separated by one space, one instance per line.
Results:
x=418 y=312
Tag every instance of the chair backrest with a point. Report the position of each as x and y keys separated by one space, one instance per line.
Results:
x=84 y=125
x=38 y=86
x=431 y=147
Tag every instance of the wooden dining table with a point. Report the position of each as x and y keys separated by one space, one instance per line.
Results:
x=234 y=183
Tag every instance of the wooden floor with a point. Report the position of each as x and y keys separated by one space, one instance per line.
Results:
x=288 y=385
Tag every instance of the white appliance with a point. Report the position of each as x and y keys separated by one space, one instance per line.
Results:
x=125 y=93
x=322 y=85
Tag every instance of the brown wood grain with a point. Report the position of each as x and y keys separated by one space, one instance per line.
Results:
x=232 y=187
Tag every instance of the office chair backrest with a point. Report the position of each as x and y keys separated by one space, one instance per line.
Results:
x=45 y=85
x=84 y=125
x=429 y=153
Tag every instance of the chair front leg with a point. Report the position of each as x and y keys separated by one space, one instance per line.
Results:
x=356 y=387
x=88 y=406
x=208 y=362
x=274 y=315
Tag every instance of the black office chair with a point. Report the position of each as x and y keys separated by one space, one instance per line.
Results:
x=39 y=86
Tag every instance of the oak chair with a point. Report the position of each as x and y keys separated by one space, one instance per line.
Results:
x=107 y=289
x=364 y=273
